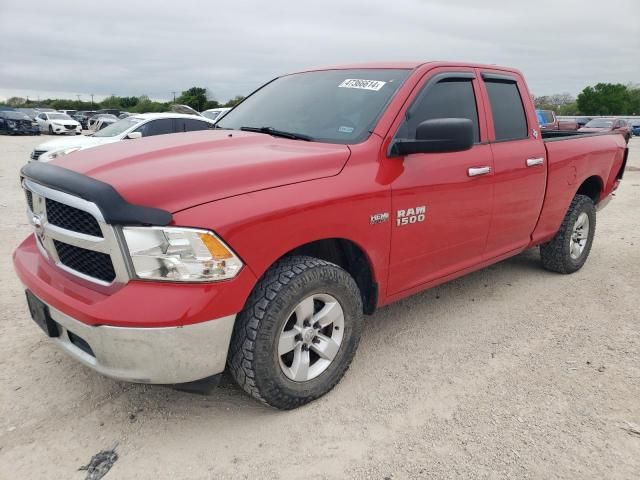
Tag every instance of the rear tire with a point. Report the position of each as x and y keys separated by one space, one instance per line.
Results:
x=298 y=332
x=568 y=251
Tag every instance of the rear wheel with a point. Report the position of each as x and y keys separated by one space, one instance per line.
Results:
x=298 y=332
x=568 y=251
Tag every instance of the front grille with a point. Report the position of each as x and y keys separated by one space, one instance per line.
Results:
x=29 y=199
x=35 y=155
x=61 y=229
x=71 y=218
x=70 y=127
x=88 y=262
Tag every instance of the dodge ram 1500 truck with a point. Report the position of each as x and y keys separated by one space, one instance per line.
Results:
x=322 y=196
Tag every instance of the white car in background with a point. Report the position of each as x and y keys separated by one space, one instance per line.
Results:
x=215 y=113
x=136 y=126
x=55 y=123
x=100 y=121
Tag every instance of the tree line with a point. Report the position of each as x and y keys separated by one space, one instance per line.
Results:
x=600 y=99
x=197 y=98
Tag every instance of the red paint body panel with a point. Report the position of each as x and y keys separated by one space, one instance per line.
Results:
x=266 y=196
x=181 y=170
x=571 y=162
x=138 y=304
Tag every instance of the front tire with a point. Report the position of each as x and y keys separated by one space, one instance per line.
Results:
x=568 y=251
x=51 y=130
x=298 y=332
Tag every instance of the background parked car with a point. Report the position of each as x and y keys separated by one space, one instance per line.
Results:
x=45 y=109
x=17 y=123
x=608 y=125
x=635 y=127
x=215 y=113
x=110 y=111
x=71 y=113
x=100 y=120
x=30 y=112
x=83 y=117
x=136 y=126
x=56 y=123
x=582 y=121
x=548 y=121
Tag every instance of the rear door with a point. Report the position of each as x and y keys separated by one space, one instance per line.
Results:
x=519 y=158
x=441 y=202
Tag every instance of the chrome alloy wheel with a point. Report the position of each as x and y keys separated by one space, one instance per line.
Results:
x=311 y=337
x=579 y=236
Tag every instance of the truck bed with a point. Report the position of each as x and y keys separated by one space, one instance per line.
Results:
x=597 y=155
x=555 y=135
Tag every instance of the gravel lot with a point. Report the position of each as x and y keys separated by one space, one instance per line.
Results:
x=511 y=372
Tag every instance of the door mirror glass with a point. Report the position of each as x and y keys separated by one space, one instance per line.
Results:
x=439 y=135
x=133 y=135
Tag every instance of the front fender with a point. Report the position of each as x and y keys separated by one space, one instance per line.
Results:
x=263 y=226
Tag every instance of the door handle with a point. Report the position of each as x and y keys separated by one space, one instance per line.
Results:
x=475 y=171
x=532 y=162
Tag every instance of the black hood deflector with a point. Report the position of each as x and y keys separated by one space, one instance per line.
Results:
x=115 y=209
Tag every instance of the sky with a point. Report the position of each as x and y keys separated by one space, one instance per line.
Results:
x=67 y=48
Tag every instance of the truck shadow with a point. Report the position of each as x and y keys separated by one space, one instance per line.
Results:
x=161 y=403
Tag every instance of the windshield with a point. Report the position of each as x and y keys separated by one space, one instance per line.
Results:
x=14 y=115
x=118 y=128
x=337 y=106
x=59 y=116
x=28 y=111
x=599 y=123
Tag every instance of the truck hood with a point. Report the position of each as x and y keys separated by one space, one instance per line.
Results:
x=178 y=171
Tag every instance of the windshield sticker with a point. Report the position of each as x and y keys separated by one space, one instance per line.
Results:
x=374 y=85
x=344 y=129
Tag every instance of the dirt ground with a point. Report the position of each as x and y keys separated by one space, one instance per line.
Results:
x=511 y=372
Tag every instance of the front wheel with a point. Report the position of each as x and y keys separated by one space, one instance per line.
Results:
x=298 y=332
x=50 y=130
x=568 y=250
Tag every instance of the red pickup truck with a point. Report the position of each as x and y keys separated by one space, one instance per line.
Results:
x=324 y=195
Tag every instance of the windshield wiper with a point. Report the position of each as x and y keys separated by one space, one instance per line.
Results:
x=278 y=133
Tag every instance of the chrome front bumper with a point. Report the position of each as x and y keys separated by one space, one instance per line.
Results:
x=167 y=355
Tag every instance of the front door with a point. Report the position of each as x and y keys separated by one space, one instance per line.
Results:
x=441 y=202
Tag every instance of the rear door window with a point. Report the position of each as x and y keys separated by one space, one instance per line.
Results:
x=509 y=118
x=161 y=126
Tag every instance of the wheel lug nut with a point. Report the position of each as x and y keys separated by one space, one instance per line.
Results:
x=315 y=340
x=305 y=323
x=316 y=325
x=298 y=337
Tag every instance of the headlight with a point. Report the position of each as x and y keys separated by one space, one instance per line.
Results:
x=61 y=153
x=179 y=254
x=11 y=123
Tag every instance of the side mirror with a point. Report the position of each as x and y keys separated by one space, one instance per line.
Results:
x=439 y=135
x=133 y=135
